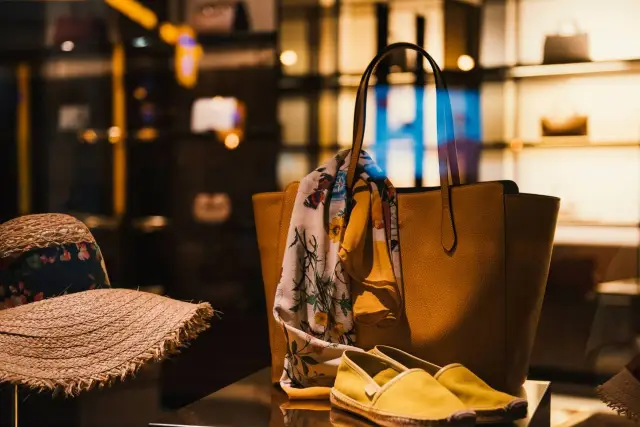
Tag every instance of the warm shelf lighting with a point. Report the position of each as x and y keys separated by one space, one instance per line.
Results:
x=466 y=63
x=147 y=134
x=114 y=134
x=327 y=3
x=288 y=58
x=67 y=46
x=567 y=69
x=89 y=136
x=231 y=141
x=140 y=93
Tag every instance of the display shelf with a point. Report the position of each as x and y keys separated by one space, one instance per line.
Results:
x=314 y=82
x=597 y=235
x=629 y=287
x=492 y=145
x=569 y=143
x=573 y=69
x=522 y=71
x=310 y=82
x=551 y=143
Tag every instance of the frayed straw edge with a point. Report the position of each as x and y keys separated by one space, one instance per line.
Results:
x=172 y=343
x=616 y=405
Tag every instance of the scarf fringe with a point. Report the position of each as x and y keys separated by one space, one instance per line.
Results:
x=621 y=393
x=176 y=339
x=613 y=403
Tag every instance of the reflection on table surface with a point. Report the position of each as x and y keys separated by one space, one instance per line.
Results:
x=255 y=402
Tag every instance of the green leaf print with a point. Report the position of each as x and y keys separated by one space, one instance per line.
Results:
x=310 y=360
x=311 y=299
x=345 y=304
x=34 y=261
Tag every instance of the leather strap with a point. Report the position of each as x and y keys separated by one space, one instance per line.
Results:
x=447 y=153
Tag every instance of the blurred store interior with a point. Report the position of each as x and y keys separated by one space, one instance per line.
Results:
x=157 y=136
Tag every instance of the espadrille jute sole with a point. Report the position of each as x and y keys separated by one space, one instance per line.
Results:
x=622 y=394
x=513 y=411
x=458 y=419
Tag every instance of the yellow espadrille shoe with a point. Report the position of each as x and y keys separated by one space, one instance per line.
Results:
x=389 y=394
x=490 y=405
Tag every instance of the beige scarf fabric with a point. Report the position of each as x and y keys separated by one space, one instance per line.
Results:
x=341 y=266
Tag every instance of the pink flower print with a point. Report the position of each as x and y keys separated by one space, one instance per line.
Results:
x=27 y=292
x=83 y=254
x=47 y=260
x=39 y=296
x=66 y=256
x=92 y=286
x=21 y=286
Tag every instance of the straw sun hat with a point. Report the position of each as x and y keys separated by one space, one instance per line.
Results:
x=62 y=327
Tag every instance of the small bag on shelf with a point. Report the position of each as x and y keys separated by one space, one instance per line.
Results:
x=573 y=125
x=571 y=45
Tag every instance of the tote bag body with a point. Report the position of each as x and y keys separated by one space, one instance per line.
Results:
x=475 y=260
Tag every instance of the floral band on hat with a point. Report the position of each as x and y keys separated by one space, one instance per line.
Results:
x=48 y=272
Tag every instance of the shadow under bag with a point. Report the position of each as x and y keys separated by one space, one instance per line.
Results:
x=475 y=260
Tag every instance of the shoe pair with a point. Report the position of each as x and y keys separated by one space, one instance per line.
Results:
x=391 y=387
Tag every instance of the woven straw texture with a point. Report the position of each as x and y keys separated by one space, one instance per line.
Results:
x=41 y=231
x=74 y=342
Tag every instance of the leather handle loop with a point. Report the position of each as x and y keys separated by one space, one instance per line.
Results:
x=447 y=153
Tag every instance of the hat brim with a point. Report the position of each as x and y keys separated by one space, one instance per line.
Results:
x=74 y=342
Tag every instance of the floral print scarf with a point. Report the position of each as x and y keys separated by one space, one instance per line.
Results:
x=341 y=266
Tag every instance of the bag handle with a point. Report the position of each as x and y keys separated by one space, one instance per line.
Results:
x=447 y=154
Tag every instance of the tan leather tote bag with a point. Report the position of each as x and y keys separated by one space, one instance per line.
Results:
x=475 y=260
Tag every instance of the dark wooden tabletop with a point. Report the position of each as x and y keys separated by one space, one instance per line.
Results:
x=254 y=401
